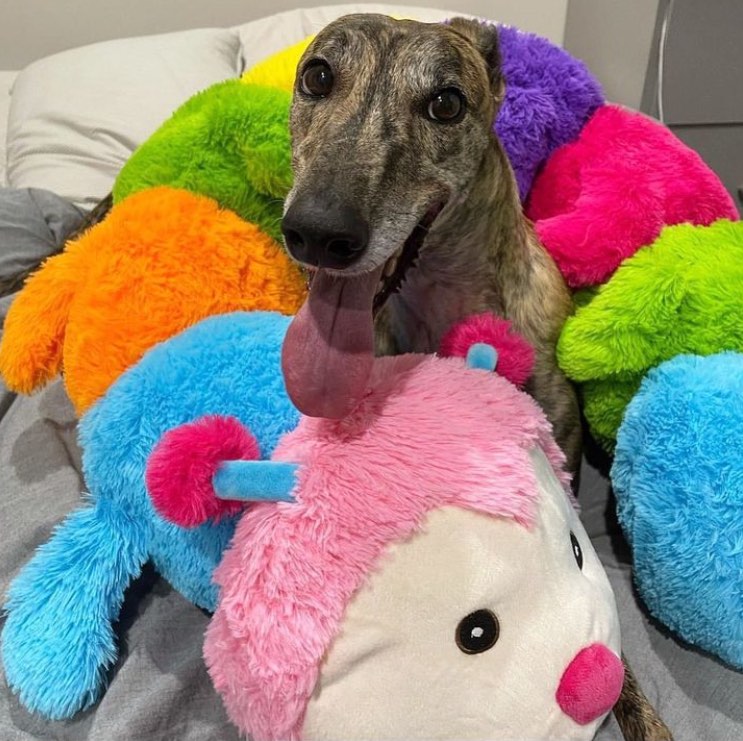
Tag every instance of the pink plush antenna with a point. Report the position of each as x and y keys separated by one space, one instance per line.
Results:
x=515 y=354
x=181 y=468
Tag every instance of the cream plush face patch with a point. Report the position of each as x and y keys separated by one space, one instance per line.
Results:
x=396 y=669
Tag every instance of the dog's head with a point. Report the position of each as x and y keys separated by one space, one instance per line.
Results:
x=390 y=123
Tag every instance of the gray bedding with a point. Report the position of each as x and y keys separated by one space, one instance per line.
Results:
x=33 y=222
x=159 y=689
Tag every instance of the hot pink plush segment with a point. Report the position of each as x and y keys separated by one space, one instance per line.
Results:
x=515 y=354
x=591 y=684
x=610 y=192
x=429 y=433
x=181 y=466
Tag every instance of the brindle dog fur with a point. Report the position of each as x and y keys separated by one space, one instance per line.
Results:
x=371 y=141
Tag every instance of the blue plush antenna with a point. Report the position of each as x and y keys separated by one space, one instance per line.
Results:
x=255 y=481
x=482 y=356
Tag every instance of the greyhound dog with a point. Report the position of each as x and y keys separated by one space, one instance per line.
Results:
x=405 y=210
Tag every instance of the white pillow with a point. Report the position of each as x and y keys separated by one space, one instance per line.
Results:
x=6 y=83
x=77 y=116
x=266 y=36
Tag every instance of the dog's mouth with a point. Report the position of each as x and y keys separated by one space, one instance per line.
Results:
x=328 y=351
x=396 y=268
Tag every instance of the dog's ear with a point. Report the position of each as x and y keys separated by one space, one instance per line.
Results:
x=484 y=37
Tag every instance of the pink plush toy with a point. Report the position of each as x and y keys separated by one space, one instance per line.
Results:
x=610 y=192
x=425 y=576
x=515 y=356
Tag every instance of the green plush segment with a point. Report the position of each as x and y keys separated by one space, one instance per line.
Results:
x=229 y=142
x=604 y=402
x=682 y=294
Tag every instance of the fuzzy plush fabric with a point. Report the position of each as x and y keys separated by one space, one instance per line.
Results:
x=549 y=97
x=162 y=260
x=58 y=641
x=428 y=434
x=254 y=481
x=182 y=465
x=229 y=142
x=610 y=192
x=280 y=69
x=193 y=467
x=680 y=295
x=678 y=480
x=515 y=355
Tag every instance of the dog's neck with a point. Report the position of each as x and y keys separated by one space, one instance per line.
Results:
x=478 y=257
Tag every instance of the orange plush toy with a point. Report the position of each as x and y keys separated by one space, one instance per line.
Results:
x=192 y=233
x=162 y=260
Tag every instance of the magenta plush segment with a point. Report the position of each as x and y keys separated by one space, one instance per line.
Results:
x=515 y=354
x=429 y=433
x=181 y=467
x=591 y=685
x=601 y=198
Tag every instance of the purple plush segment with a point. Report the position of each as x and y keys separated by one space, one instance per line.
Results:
x=549 y=97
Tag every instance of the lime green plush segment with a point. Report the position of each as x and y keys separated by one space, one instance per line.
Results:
x=604 y=402
x=229 y=142
x=682 y=294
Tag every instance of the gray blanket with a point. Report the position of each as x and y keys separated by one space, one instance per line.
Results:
x=159 y=689
x=33 y=223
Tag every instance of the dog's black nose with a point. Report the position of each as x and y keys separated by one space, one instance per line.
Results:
x=324 y=234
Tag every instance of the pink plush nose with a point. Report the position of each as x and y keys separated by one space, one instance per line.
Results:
x=591 y=684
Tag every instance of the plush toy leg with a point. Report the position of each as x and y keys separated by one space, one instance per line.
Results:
x=58 y=640
x=34 y=330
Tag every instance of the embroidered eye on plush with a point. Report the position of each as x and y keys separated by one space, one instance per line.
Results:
x=446 y=106
x=317 y=79
x=577 y=551
x=477 y=632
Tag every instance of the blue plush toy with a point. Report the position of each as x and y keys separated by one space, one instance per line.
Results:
x=58 y=639
x=678 y=479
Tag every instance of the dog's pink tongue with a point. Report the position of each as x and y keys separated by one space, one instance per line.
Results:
x=328 y=351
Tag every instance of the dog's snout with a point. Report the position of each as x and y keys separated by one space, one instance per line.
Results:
x=323 y=234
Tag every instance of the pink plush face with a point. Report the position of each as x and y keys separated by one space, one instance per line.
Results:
x=475 y=628
x=436 y=499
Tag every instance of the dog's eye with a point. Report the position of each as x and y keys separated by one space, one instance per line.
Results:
x=477 y=632
x=317 y=79
x=577 y=550
x=446 y=106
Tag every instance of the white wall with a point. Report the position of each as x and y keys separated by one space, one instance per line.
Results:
x=30 y=29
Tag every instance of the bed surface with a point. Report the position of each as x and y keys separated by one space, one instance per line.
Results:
x=159 y=689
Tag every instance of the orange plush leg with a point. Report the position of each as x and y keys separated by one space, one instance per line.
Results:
x=34 y=330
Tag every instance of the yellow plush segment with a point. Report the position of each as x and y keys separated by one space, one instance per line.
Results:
x=162 y=260
x=279 y=69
